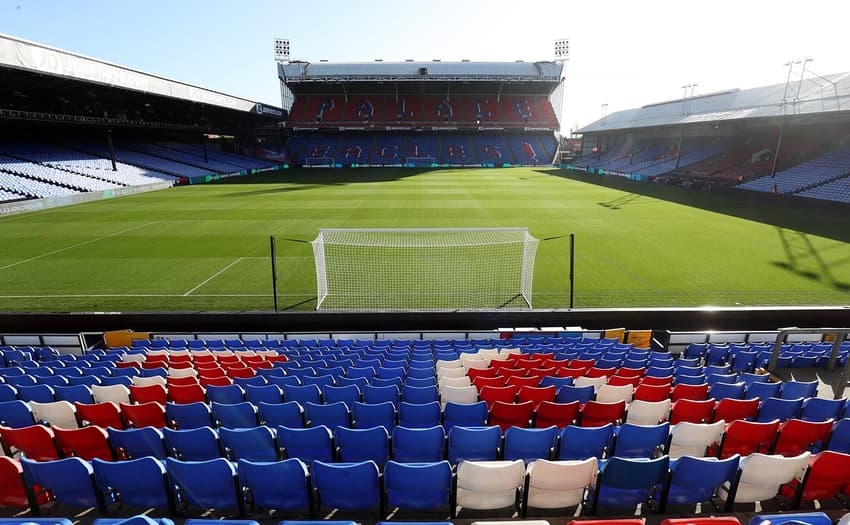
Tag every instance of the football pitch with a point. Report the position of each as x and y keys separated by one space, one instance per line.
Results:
x=206 y=247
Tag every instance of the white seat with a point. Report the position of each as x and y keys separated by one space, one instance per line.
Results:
x=223 y=353
x=116 y=393
x=182 y=372
x=505 y=352
x=692 y=439
x=488 y=354
x=486 y=485
x=148 y=381
x=450 y=372
x=179 y=353
x=474 y=363
x=60 y=414
x=606 y=393
x=454 y=381
x=762 y=475
x=596 y=382
x=463 y=395
x=648 y=412
x=158 y=353
x=200 y=353
x=133 y=358
x=559 y=484
x=454 y=363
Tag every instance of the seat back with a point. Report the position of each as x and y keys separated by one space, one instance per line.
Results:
x=489 y=485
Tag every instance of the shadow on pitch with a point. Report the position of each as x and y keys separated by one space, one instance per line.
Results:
x=802 y=258
x=301 y=179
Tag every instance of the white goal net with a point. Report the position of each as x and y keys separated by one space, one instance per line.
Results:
x=424 y=269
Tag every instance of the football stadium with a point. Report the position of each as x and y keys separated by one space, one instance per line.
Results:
x=404 y=294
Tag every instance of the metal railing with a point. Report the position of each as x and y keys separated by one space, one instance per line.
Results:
x=840 y=335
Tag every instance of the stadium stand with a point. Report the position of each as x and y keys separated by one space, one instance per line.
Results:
x=807 y=175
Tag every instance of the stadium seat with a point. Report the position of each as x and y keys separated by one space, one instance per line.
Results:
x=115 y=393
x=307 y=444
x=418 y=445
x=367 y=444
x=68 y=481
x=471 y=415
x=188 y=415
x=347 y=486
x=149 y=393
x=489 y=485
x=797 y=436
x=289 y=492
x=35 y=442
x=827 y=476
x=693 y=411
x=696 y=480
x=348 y=394
x=506 y=415
x=100 y=414
x=252 y=444
x=139 y=483
x=264 y=393
x=230 y=394
x=693 y=392
x=379 y=394
x=557 y=414
x=596 y=414
x=41 y=393
x=208 y=484
x=578 y=443
x=641 y=441
x=748 y=437
x=423 y=415
x=195 y=444
x=288 y=414
x=474 y=444
x=56 y=413
x=236 y=415
x=820 y=409
x=762 y=390
x=798 y=389
x=86 y=443
x=694 y=439
x=648 y=412
x=558 y=484
x=762 y=476
x=734 y=409
x=627 y=482
x=781 y=409
x=137 y=443
x=15 y=414
x=12 y=493
x=143 y=415
x=331 y=415
x=529 y=444
x=419 y=486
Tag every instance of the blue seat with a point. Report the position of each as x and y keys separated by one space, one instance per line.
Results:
x=379 y=394
x=72 y=394
x=139 y=483
x=529 y=444
x=188 y=415
x=781 y=409
x=569 y=393
x=427 y=382
x=394 y=381
x=85 y=380
x=290 y=490
x=820 y=409
x=54 y=381
x=8 y=393
x=359 y=382
x=689 y=380
x=792 y=518
x=717 y=355
x=727 y=390
x=205 y=484
x=626 y=482
x=135 y=443
x=744 y=361
x=230 y=394
x=282 y=381
x=331 y=416
x=348 y=394
x=396 y=372
x=839 y=440
x=695 y=480
x=711 y=370
x=301 y=373
x=253 y=444
x=557 y=382
x=367 y=415
x=421 y=372
x=38 y=393
x=194 y=444
x=236 y=415
x=712 y=378
x=420 y=395
x=362 y=444
x=749 y=378
x=412 y=445
x=474 y=444
x=586 y=442
x=641 y=441
x=263 y=393
x=366 y=372
x=796 y=389
x=465 y=415
x=422 y=415
x=289 y=414
x=762 y=390
x=347 y=486
x=70 y=481
x=659 y=371
x=302 y=394
x=321 y=381
x=418 y=486
x=307 y=444
x=15 y=414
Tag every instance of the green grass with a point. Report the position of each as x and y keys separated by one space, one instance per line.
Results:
x=206 y=247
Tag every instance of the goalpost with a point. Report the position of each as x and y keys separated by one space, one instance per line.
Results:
x=424 y=269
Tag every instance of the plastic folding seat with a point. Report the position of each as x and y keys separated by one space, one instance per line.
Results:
x=230 y=394
x=457 y=382
x=289 y=492
x=641 y=441
x=421 y=373
x=798 y=389
x=35 y=442
x=307 y=444
x=57 y=413
x=137 y=442
x=380 y=394
x=12 y=493
x=556 y=414
x=557 y=382
x=465 y=415
x=579 y=443
x=749 y=378
x=363 y=444
x=827 y=476
x=263 y=393
x=489 y=485
x=491 y=395
x=283 y=381
x=596 y=414
x=418 y=486
x=595 y=382
x=628 y=482
x=645 y=392
x=790 y=518
x=347 y=486
x=114 y=393
x=657 y=370
x=612 y=394
x=321 y=381
x=648 y=412
x=139 y=483
x=820 y=409
x=522 y=382
x=68 y=481
x=234 y=415
x=507 y=415
x=458 y=394
x=20 y=380
x=381 y=383
x=331 y=415
x=694 y=439
x=762 y=390
x=149 y=414
x=568 y=394
x=39 y=393
x=419 y=395
x=529 y=444
x=146 y=394
x=196 y=444
x=254 y=444
x=15 y=414
x=208 y=484
x=189 y=415
x=419 y=415
x=734 y=409
x=762 y=476
x=692 y=411
x=696 y=480
x=185 y=394
x=10 y=393
x=288 y=414
x=536 y=395
x=690 y=380
x=744 y=361
x=797 y=436
x=726 y=390
x=481 y=382
x=781 y=409
x=86 y=443
x=485 y=373
x=349 y=394
x=413 y=445
x=474 y=443
x=558 y=484
x=367 y=415
x=748 y=437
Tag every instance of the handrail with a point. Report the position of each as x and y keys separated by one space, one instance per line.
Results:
x=840 y=335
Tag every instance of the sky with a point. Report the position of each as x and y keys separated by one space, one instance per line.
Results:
x=623 y=53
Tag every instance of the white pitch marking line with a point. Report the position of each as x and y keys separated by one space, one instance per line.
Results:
x=60 y=250
x=213 y=276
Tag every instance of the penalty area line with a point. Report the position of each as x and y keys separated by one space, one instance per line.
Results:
x=213 y=276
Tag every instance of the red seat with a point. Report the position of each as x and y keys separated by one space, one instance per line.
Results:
x=203 y=359
x=645 y=392
x=150 y=365
x=597 y=414
x=493 y=394
x=243 y=371
x=181 y=381
x=745 y=437
x=696 y=392
x=103 y=415
x=481 y=372
x=36 y=441
x=214 y=381
x=631 y=372
x=507 y=415
x=144 y=415
x=145 y=394
x=828 y=474
x=657 y=381
x=729 y=409
x=209 y=368
x=541 y=372
x=536 y=394
x=187 y=393
x=558 y=414
x=521 y=382
x=228 y=360
x=796 y=436
x=85 y=443
x=12 y=493
x=545 y=356
x=570 y=372
x=691 y=410
x=500 y=364
x=529 y=363
x=585 y=364
x=599 y=372
x=616 y=380
x=512 y=372
x=127 y=364
x=481 y=382
x=180 y=364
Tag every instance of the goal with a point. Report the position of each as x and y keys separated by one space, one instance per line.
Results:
x=424 y=269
